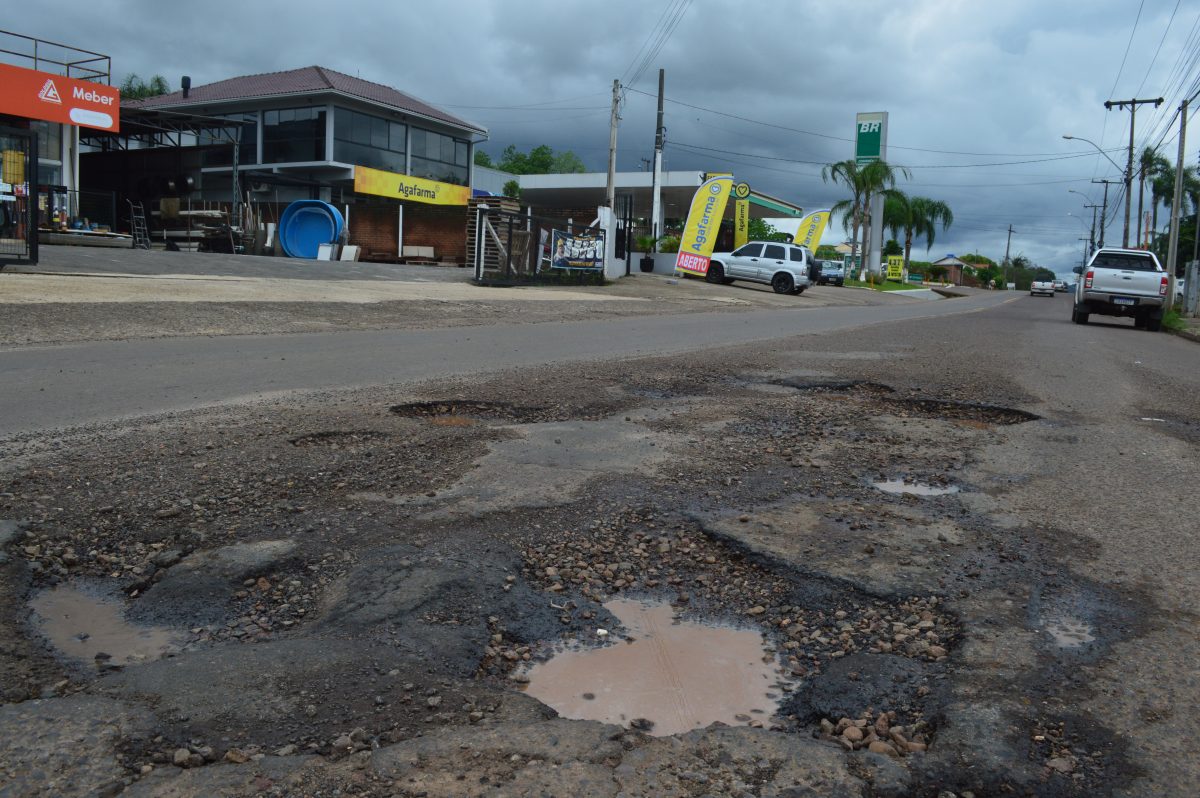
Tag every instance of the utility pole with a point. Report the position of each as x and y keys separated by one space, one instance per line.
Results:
x=1092 y=240
x=1083 y=260
x=1104 y=211
x=1133 y=104
x=1176 y=201
x=659 y=140
x=610 y=195
x=1006 y=249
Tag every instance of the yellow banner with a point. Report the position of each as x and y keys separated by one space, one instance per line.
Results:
x=811 y=228
x=703 y=224
x=741 y=222
x=895 y=267
x=414 y=189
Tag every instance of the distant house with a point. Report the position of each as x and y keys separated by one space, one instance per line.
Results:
x=844 y=248
x=954 y=268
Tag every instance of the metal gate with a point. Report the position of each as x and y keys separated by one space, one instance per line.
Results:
x=512 y=248
x=18 y=197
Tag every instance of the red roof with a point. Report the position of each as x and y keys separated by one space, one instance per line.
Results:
x=312 y=79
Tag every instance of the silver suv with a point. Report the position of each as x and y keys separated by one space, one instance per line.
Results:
x=784 y=267
x=1121 y=282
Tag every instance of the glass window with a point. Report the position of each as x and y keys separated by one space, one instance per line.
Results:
x=294 y=135
x=749 y=251
x=439 y=157
x=49 y=137
x=222 y=154
x=1126 y=261
x=774 y=252
x=368 y=140
x=796 y=254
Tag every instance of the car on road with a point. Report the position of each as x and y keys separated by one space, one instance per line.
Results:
x=1121 y=282
x=832 y=273
x=1060 y=285
x=1042 y=287
x=784 y=267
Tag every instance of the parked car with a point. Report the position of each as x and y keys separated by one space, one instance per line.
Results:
x=784 y=267
x=1121 y=282
x=832 y=272
x=1042 y=287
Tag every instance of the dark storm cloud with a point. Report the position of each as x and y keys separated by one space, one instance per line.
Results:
x=1004 y=80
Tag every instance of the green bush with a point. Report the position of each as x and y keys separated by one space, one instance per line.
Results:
x=668 y=244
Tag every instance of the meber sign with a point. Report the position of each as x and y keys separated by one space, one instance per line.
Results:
x=414 y=189
x=703 y=224
x=53 y=98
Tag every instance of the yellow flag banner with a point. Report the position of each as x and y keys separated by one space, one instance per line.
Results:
x=741 y=222
x=812 y=227
x=703 y=223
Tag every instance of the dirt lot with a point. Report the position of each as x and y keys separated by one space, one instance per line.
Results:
x=84 y=296
x=349 y=590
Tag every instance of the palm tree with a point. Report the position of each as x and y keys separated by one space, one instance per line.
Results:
x=865 y=182
x=1150 y=166
x=917 y=217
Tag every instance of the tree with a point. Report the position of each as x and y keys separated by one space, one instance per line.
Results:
x=1150 y=165
x=758 y=230
x=134 y=88
x=541 y=160
x=483 y=159
x=826 y=252
x=916 y=217
x=976 y=258
x=892 y=247
x=511 y=189
x=864 y=182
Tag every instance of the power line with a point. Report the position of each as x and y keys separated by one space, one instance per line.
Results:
x=906 y=166
x=664 y=36
x=1127 y=46
x=842 y=138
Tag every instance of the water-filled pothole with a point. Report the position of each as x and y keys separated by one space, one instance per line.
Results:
x=903 y=486
x=1069 y=632
x=677 y=675
x=89 y=628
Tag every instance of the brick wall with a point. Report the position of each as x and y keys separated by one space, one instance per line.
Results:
x=374 y=227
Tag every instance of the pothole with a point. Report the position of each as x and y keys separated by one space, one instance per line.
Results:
x=669 y=677
x=89 y=628
x=466 y=409
x=955 y=410
x=835 y=386
x=336 y=438
x=905 y=487
x=1068 y=632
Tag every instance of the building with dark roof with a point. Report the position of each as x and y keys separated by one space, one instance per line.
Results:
x=395 y=163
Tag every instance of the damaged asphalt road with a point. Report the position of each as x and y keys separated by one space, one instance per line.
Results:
x=345 y=594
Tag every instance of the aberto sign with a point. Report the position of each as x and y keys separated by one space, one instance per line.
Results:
x=54 y=98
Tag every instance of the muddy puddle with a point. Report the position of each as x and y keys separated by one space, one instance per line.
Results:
x=678 y=675
x=81 y=625
x=900 y=486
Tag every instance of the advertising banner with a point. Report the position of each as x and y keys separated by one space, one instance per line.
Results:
x=741 y=222
x=811 y=228
x=578 y=252
x=703 y=224
x=53 y=98
x=414 y=189
x=895 y=270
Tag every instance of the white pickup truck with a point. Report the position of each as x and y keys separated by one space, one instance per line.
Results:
x=1121 y=282
x=1044 y=287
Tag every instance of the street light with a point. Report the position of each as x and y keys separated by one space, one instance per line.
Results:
x=1127 y=171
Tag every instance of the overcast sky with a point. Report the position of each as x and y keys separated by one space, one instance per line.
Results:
x=1000 y=81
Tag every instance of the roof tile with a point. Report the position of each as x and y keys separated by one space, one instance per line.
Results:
x=296 y=81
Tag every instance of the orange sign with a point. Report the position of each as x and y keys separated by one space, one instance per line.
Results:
x=53 y=98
